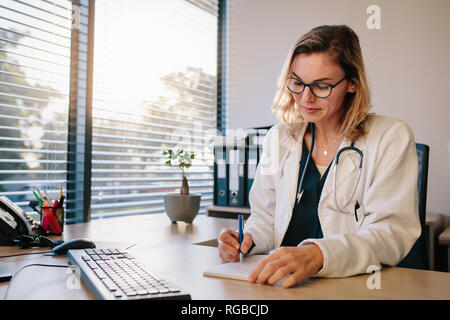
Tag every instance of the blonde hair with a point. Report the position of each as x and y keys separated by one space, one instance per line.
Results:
x=342 y=44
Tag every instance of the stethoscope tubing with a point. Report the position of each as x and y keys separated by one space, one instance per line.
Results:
x=300 y=185
x=349 y=148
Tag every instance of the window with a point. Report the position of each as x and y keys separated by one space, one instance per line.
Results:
x=154 y=88
x=34 y=87
x=155 y=65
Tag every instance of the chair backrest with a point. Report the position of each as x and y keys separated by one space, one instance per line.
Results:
x=419 y=257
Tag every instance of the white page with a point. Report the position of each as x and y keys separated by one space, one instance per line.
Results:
x=235 y=270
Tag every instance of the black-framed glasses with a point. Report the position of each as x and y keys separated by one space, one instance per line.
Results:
x=319 y=89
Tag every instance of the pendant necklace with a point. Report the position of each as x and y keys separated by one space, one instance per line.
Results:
x=325 y=152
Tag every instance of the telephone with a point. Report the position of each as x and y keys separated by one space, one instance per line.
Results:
x=13 y=222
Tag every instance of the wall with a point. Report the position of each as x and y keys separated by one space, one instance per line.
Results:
x=406 y=60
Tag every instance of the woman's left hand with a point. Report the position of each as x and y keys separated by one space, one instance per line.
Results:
x=300 y=263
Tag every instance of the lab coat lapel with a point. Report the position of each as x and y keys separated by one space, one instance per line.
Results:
x=348 y=166
x=288 y=184
x=292 y=164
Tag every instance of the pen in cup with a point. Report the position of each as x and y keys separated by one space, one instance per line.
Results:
x=38 y=199
x=61 y=201
x=39 y=192
x=48 y=198
x=43 y=198
x=241 y=236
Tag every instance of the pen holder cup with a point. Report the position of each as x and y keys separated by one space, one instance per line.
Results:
x=52 y=219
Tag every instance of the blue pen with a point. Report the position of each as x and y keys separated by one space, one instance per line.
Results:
x=241 y=236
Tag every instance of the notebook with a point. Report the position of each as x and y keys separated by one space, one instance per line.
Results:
x=235 y=270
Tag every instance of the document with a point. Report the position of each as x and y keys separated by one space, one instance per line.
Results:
x=235 y=270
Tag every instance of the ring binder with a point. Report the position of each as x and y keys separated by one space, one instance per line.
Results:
x=220 y=173
x=237 y=170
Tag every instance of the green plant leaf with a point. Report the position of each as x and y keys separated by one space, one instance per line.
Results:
x=183 y=157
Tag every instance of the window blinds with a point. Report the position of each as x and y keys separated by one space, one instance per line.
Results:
x=34 y=82
x=154 y=89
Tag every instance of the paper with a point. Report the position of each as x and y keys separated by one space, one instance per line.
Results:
x=251 y=170
x=235 y=270
x=233 y=184
x=221 y=170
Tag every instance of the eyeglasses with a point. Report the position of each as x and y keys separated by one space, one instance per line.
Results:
x=319 y=89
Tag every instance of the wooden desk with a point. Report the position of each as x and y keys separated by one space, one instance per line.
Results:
x=171 y=250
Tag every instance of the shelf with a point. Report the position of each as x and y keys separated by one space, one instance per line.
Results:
x=227 y=212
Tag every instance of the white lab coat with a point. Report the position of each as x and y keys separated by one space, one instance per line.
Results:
x=388 y=222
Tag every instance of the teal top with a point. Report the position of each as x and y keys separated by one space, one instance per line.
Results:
x=305 y=222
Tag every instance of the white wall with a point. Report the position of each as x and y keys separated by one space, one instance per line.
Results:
x=407 y=62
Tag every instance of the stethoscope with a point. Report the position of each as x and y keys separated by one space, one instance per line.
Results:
x=349 y=148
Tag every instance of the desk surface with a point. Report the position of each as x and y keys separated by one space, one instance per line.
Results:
x=173 y=251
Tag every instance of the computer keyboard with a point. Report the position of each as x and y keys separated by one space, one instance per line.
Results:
x=114 y=274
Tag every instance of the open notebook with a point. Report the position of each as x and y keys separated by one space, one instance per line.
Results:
x=235 y=270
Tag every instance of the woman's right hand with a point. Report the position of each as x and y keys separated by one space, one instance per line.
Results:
x=229 y=244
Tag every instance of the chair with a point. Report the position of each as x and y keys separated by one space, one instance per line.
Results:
x=419 y=257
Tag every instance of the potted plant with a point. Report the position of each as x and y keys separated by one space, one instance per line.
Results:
x=183 y=206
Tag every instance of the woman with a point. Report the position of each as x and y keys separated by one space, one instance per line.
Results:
x=335 y=223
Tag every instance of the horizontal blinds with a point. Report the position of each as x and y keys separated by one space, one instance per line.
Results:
x=154 y=89
x=34 y=88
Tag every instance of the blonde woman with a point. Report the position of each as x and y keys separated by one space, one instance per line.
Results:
x=335 y=192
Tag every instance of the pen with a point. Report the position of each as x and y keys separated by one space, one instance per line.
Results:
x=61 y=198
x=45 y=200
x=61 y=201
x=241 y=236
x=39 y=192
x=38 y=199
x=48 y=197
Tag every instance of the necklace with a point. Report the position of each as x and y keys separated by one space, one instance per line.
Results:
x=325 y=151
